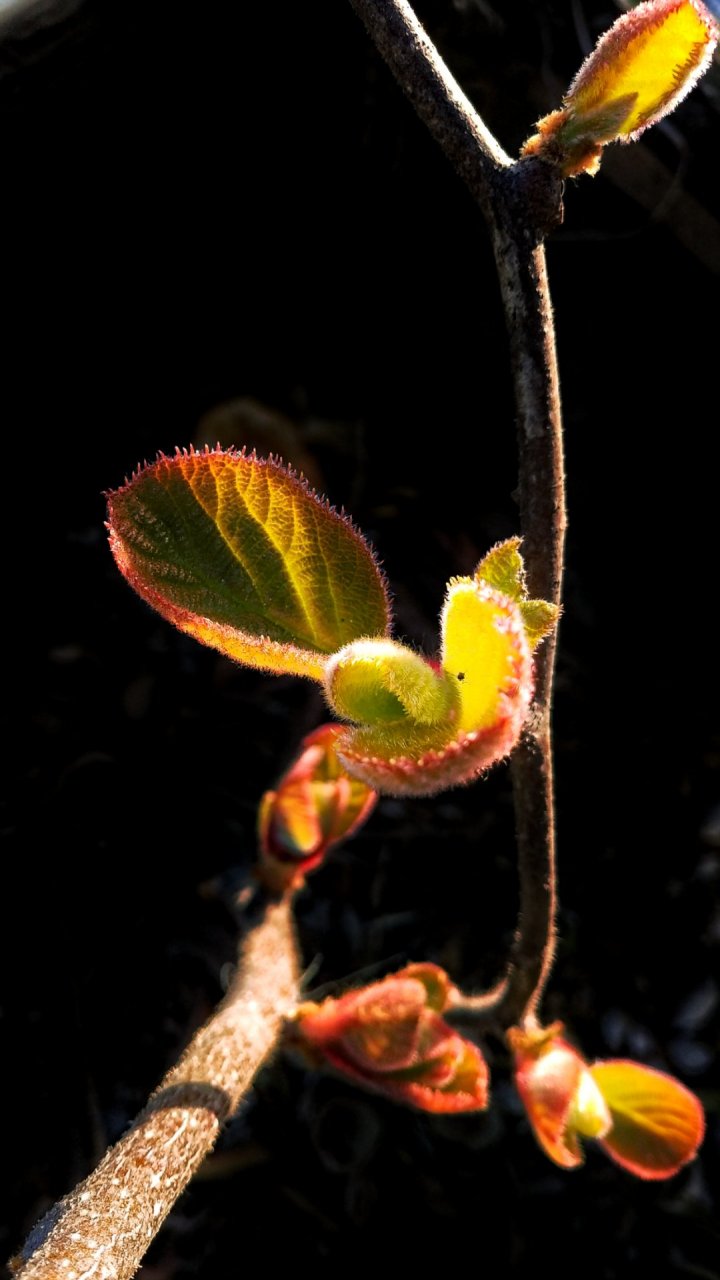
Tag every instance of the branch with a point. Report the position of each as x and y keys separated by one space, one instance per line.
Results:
x=521 y=202
x=436 y=96
x=543 y=521
x=103 y=1228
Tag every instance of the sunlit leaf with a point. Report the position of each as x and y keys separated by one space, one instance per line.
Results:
x=383 y=683
x=653 y=54
x=504 y=569
x=241 y=554
x=484 y=648
x=539 y=618
x=640 y=70
x=657 y=1124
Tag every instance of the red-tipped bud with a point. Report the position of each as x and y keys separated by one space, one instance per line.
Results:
x=390 y=1037
x=646 y=1121
x=315 y=806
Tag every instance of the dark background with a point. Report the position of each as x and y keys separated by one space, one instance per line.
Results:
x=226 y=201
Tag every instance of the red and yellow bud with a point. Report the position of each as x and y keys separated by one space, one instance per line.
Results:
x=390 y=1038
x=639 y=71
x=559 y=1094
x=316 y=805
x=645 y=1120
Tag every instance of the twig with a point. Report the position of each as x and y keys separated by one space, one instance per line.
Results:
x=543 y=520
x=103 y=1228
x=521 y=202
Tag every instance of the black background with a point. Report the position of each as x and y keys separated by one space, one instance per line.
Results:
x=224 y=201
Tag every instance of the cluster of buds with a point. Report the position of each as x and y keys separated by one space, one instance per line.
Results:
x=391 y=1037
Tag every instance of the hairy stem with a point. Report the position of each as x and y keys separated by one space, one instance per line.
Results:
x=103 y=1228
x=521 y=202
x=543 y=520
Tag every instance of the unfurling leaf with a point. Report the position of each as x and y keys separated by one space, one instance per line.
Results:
x=485 y=679
x=639 y=71
x=390 y=1037
x=241 y=554
x=503 y=568
x=539 y=618
x=380 y=682
x=645 y=1120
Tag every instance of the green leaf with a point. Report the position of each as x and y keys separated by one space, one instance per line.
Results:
x=539 y=617
x=238 y=552
x=381 y=682
x=503 y=568
x=657 y=1124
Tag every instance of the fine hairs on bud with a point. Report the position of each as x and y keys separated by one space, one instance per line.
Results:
x=638 y=71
